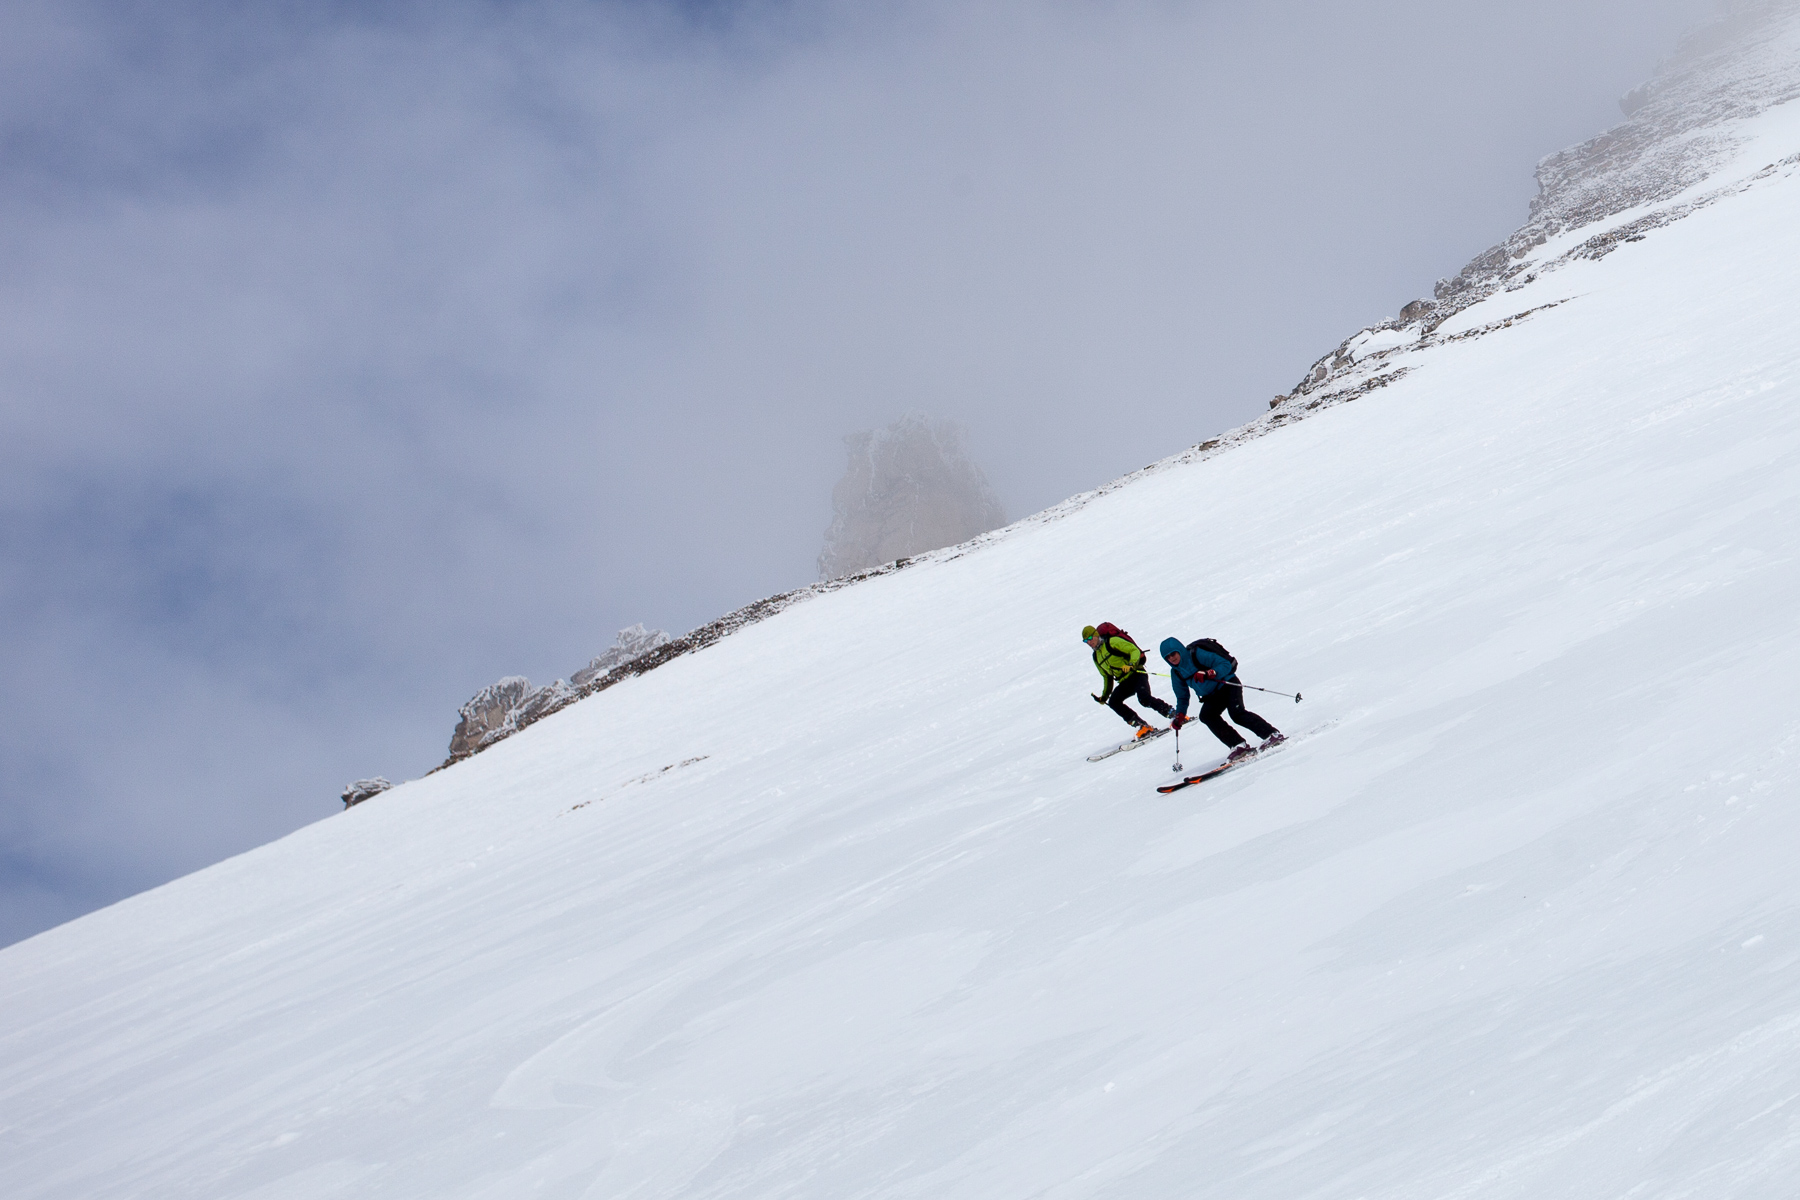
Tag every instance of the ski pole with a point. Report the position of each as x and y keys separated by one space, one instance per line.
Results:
x=1177 y=767
x=1294 y=696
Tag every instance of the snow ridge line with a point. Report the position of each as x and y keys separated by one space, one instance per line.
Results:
x=1656 y=155
x=1359 y=379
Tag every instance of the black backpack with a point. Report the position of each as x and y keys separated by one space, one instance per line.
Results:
x=1211 y=646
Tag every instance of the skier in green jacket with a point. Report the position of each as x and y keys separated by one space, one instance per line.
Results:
x=1121 y=663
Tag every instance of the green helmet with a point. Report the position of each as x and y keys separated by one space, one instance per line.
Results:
x=1088 y=632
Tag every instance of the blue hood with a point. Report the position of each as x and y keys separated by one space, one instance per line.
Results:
x=1194 y=662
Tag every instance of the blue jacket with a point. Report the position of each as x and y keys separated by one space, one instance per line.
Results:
x=1194 y=663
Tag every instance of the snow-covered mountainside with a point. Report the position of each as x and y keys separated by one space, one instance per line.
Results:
x=834 y=906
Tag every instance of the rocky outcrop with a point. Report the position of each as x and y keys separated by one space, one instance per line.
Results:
x=630 y=643
x=362 y=789
x=502 y=709
x=909 y=489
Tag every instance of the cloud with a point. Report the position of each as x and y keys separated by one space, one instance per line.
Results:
x=355 y=356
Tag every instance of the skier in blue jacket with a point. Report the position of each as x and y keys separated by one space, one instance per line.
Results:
x=1213 y=678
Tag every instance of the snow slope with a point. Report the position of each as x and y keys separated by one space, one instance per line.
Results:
x=835 y=908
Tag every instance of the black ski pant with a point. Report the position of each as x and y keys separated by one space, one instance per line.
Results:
x=1229 y=698
x=1135 y=686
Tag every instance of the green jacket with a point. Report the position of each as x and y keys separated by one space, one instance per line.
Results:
x=1116 y=659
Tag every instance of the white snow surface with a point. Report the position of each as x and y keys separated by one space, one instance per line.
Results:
x=836 y=908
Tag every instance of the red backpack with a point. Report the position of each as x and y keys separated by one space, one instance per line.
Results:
x=1107 y=629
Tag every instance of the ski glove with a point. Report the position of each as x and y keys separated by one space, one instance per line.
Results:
x=1097 y=700
x=1178 y=722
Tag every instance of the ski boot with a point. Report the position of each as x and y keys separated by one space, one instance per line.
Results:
x=1274 y=739
x=1239 y=753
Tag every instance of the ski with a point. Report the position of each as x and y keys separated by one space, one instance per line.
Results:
x=1203 y=776
x=1215 y=772
x=1133 y=744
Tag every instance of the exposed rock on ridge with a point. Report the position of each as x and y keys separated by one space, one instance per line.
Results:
x=630 y=643
x=362 y=789
x=672 y=648
x=502 y=709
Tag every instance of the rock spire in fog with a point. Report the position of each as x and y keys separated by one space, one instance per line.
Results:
x=909 y=488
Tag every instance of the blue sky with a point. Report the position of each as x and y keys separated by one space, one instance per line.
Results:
x=357 y=358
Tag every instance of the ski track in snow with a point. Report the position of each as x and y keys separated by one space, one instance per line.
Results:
x=1521 y=920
